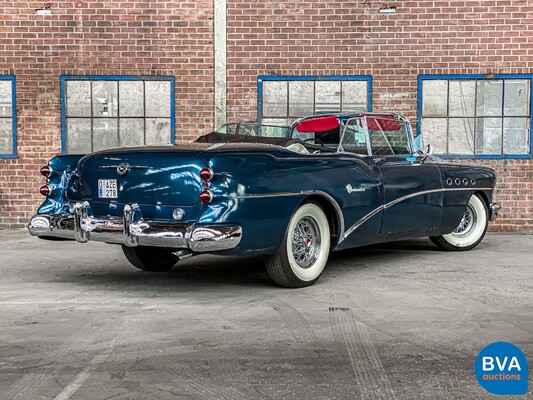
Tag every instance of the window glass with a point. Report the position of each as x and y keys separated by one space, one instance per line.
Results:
x=354 y=137
x=461 y=135
x=7 y=117
x=489 y=98
x=286 y=99
x=354 y=96
x=435 y=93
x=462 y=98
x=301 y=98
x=327 y=96
x=275 y=99
x=388 y=136
x=477 y=116
x=102 y=113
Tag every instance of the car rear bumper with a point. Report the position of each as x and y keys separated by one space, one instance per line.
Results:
x=132 y=230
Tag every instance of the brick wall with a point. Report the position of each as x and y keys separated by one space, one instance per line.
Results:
x=266 y=37
x=334 y=37
x=96 y=38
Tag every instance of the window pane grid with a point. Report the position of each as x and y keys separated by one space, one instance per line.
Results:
x=104 y=122
x=493 y=124
x=287 y=100
x=7 y=117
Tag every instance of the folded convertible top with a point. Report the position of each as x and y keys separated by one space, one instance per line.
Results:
x=215 y=137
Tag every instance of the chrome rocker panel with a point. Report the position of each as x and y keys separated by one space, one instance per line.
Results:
x=132 y=230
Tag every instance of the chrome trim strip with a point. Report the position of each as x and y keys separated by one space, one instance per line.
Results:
x=132 y=230
x=266 y=195
x=400 y=199
x=362 y=221
x=333 y=202
x=129 y=166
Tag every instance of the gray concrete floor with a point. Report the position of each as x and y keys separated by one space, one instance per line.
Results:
x=398 y=321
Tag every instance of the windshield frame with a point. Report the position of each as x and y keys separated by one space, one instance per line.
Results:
x=363 y=117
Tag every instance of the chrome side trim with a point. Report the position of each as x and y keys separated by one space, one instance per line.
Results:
x=129 y=166
x=362 y=221
x=132 y=230
x=266 y=195
x=332 y=201
x=403 y=198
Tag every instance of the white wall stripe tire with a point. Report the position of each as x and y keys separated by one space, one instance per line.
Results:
x=470 y=231
x=304 y=251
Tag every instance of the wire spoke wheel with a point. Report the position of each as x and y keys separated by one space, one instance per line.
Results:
x=305 y=250
x=470 y=230
x=468 y=222
x=306 y=242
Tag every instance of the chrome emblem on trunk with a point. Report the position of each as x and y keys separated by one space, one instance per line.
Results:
x=123 y=169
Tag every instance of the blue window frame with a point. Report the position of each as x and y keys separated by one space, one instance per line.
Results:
x=100 y=112
x=8 y=117
x=477 y=116
x=282 y=99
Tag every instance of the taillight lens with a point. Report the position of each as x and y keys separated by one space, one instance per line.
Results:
x=206 y=174
x=45 y=190
x=46 y=171
x=206 y=196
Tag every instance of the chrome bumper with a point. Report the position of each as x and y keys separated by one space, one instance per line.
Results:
x=132 y=230
x=494 y=210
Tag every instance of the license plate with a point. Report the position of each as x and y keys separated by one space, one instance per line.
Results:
x=107 y=189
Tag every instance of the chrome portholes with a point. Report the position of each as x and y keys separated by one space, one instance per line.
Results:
x=460 y=181
x=467 y=224
x=306 y=242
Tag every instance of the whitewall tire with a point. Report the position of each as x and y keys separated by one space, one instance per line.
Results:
x=305 y=250
x=470 y=231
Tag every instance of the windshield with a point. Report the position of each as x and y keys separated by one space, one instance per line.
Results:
x=354 y=137
x=252 y=129
x=385 y=134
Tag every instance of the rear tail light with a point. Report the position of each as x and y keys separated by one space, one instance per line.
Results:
x=206 y=174
x=46 y=171
x=45 y=190
x=206 y=196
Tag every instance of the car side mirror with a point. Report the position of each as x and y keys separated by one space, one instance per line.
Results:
x=428 y=152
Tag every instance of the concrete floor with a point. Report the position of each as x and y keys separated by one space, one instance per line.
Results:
x=398 y=321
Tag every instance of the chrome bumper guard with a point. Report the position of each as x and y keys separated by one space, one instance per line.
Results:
x=494 y=210
x=132 y=230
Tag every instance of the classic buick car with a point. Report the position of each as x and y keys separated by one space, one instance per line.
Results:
x=339 y=181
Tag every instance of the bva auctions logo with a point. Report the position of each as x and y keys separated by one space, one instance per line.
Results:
x=501 y=368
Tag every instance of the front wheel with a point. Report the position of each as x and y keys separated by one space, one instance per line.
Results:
x=150 y=259
x=305 y=249
x=471 y=229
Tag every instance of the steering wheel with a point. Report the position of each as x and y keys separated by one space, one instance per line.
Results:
x=320 y=142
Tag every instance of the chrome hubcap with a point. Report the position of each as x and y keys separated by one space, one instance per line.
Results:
x=467 y=224
x=306 y=242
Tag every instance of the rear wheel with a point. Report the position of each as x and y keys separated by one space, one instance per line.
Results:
x=151 y=259
x=305 y=249
x=471 y=229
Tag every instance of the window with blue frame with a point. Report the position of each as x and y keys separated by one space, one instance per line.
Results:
x=101 y=112
x=476 y=115
x=282 y=99
x=8 y=117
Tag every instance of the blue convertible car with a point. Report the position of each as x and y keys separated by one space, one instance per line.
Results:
x=335 y=182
